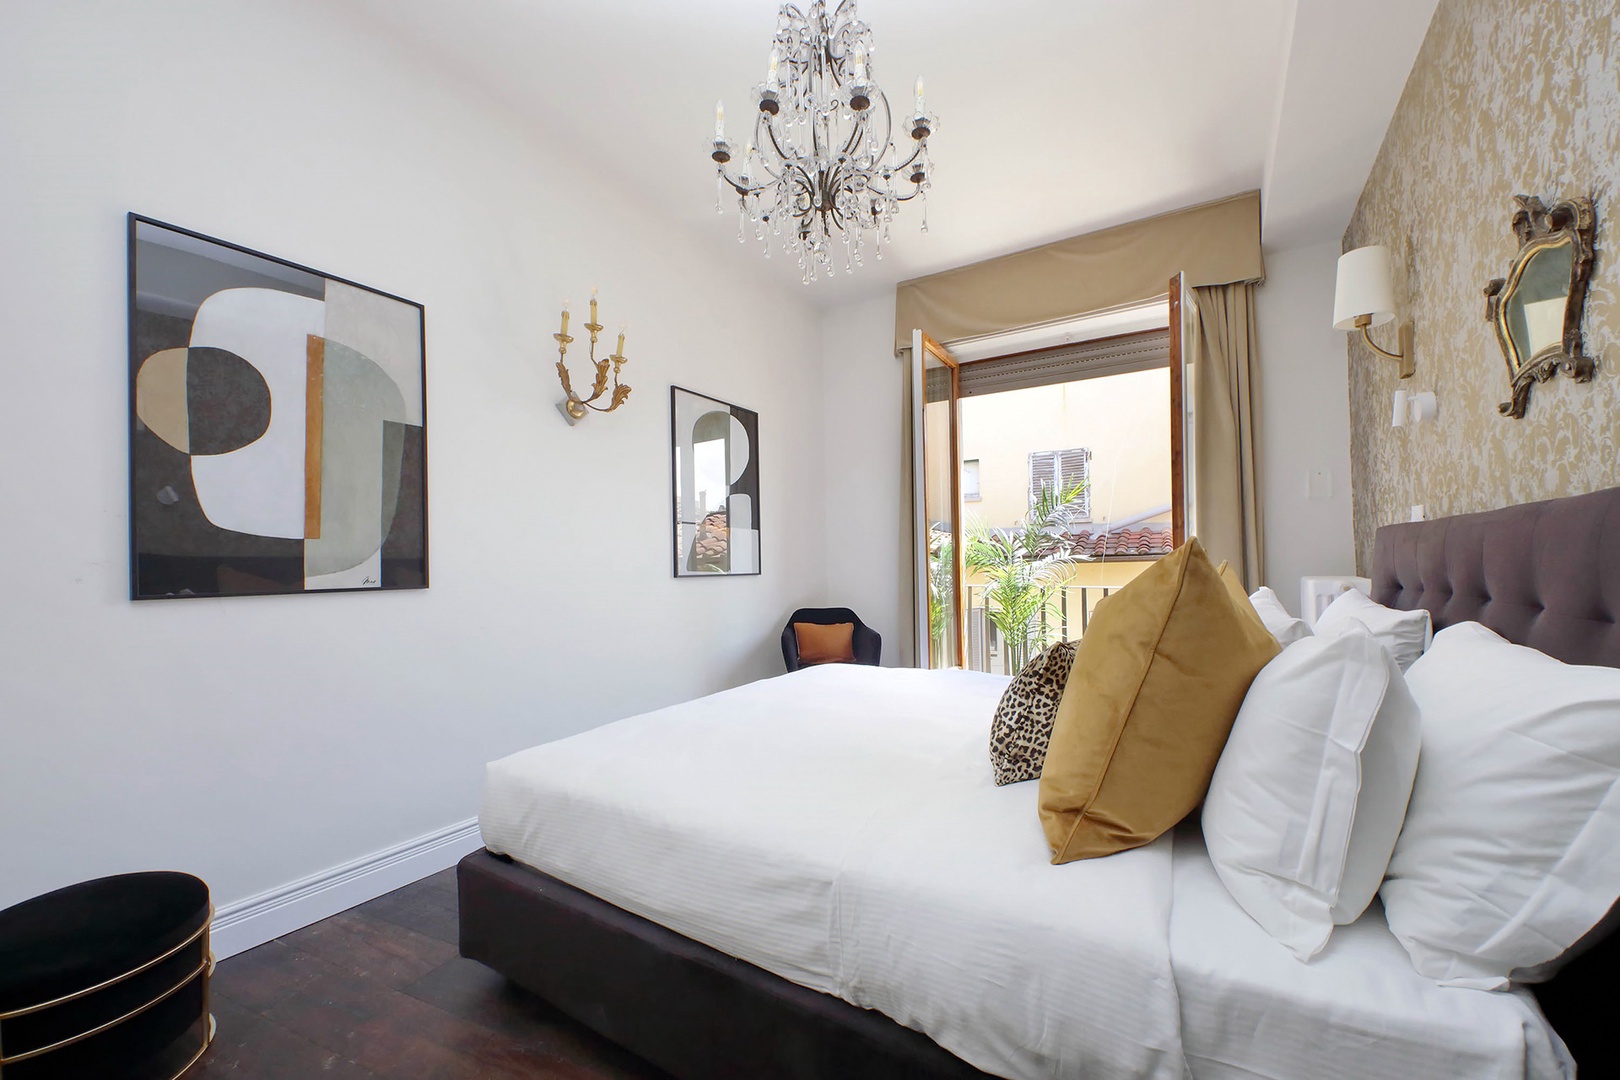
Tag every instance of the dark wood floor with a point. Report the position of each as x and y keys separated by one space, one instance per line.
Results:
x=379 y=990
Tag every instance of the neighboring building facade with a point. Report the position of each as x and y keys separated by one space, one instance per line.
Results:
x=1122 y=420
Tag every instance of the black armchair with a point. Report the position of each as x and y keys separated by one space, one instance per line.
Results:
x=867 y=643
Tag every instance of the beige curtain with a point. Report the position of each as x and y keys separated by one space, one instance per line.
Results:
x=1227 y=491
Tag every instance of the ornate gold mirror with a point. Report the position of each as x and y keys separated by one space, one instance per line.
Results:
x=1537 y=308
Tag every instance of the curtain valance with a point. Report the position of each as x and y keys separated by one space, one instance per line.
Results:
x=1215 y=243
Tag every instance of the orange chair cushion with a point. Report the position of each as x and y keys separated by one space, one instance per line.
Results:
x=833 y=643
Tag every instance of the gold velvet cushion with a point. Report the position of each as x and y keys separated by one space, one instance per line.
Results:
x=1157 y=681
x=1022 y=725
x=831 y=643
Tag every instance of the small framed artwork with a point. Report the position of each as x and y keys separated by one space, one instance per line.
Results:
x=278 y=425
x=715 y=470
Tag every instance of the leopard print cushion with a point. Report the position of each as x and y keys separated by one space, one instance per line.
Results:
x=1022 y=727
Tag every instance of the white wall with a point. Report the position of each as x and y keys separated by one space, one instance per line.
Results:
x=1304 y=421
x=258 y=740
x=868 y=505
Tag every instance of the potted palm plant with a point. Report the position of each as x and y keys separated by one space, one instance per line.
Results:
x=1023 y=568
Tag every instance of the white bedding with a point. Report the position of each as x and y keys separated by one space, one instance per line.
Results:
x=1357 y=1011
x=840 y=828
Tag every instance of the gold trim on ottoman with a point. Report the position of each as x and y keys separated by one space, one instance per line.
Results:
x=205 y=970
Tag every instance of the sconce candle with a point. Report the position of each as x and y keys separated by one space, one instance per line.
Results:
x=573 y=406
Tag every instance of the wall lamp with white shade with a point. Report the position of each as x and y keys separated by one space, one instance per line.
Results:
x=1364 y=298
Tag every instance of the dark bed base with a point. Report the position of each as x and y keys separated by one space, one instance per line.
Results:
x=683 y=1006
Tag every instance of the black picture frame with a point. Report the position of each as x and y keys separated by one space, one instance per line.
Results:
x=699 y=550
x=213 y=434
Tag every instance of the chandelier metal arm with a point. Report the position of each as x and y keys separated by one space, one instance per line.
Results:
x=856 y=131
x=776 y=145
x=888 y=118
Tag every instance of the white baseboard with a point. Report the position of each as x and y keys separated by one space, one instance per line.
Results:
x=246 y=923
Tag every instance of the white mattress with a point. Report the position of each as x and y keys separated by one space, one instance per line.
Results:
x=839 y=827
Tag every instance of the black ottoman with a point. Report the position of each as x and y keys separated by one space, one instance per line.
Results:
x=106 y=979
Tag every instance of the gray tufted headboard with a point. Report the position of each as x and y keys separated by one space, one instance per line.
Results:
x=1544 y=574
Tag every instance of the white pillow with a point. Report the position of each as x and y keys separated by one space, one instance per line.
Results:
x=1511 y=849
x=1283 y=626
x=1309 y=794
x=1404 y=633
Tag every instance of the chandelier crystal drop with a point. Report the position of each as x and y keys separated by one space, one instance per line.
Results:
x=821 y=174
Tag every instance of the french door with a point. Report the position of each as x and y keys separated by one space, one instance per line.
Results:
x=936 y=417
x=937 y=476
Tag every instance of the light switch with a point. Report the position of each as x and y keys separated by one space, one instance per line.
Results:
x=1319 y=484
x=1417 y=512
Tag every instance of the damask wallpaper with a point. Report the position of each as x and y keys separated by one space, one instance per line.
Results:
x=1505 y=98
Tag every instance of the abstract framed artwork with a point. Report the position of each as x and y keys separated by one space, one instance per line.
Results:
x=715 y=484
x=278 y=425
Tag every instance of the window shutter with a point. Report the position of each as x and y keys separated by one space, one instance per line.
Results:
x=1042 y=473
x=970 y=479
x=1074 y=467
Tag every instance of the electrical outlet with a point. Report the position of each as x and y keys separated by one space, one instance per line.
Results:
x=1417 y=513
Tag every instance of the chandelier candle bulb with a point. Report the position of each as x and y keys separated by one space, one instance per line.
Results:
x=919 y=96
x=720 y=119
x=565 y=319
x=593 y=304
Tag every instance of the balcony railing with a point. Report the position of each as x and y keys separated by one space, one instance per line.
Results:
x=1065 y=619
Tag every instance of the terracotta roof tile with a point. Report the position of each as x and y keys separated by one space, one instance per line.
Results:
x=1143 y=543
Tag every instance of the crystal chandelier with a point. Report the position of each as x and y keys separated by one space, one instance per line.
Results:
x=821 y=172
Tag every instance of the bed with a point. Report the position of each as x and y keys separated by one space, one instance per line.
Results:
x=813 y=876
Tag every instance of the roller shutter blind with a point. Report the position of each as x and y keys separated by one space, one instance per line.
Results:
x=1116 y=355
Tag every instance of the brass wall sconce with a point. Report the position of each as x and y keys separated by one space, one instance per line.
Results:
x=1363 y=298
x=574 y=407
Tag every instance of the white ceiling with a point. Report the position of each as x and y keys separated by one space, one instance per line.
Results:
x=1057 y=117
x=1346 y=67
